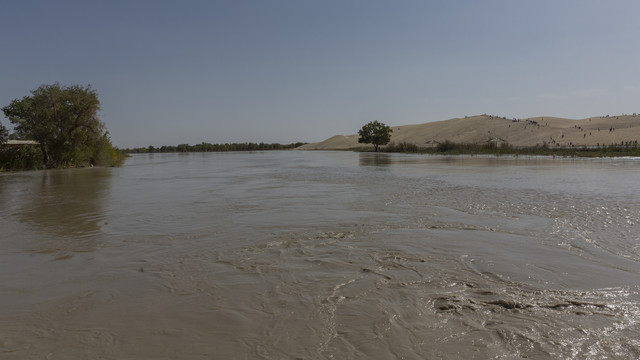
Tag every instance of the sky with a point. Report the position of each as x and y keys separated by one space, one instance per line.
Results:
x=172 y=72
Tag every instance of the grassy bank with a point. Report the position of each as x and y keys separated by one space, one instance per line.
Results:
x=450 y=148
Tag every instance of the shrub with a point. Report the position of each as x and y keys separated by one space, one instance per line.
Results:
x=28 y=157
x=404 y=147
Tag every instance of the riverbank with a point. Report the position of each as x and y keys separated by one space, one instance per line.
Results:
x=449 y=148
x=28 y=156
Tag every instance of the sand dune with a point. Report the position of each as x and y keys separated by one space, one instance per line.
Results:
x=482 y=129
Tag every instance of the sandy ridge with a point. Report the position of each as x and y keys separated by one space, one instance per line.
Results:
x=482 y=129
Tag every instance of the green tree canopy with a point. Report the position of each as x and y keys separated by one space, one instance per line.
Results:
x=375 y=133
x=4 y=134
x=64 y=121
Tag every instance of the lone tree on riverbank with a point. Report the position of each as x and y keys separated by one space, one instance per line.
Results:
x=375 y=133
x=64 y=121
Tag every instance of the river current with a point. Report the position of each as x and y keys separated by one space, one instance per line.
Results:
x=322 y=255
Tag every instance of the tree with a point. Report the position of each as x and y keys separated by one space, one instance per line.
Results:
x=4 y=134
x=375 y=133
x=63 y=120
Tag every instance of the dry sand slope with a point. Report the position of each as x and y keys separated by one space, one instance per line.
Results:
x=482 y=129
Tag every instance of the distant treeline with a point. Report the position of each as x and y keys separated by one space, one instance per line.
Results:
x=451 y=148
x=206 y=147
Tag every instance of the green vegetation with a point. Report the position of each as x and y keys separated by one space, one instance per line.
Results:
x=4 y=134
x=23 y=157
x=450 y=148
x=403 y=147
x=206 y=147
x=375 y=133
x=63 y=121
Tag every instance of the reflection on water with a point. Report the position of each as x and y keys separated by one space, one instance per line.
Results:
x=323 y=255
x=63 y=206
x=374 y=159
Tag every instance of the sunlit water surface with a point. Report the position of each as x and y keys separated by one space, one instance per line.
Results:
x=322 y=255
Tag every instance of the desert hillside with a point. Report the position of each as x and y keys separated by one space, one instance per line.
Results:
x=482 y=129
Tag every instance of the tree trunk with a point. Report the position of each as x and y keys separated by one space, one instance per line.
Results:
x=45 y=156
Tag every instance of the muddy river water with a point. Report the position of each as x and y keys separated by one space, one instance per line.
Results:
x=322 y=255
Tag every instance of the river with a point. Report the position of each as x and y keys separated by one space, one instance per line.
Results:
x=322 y=255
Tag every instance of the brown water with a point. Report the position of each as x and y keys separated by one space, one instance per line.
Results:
x=322 y=255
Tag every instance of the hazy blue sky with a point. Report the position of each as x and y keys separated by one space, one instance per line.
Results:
x=170 y=72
